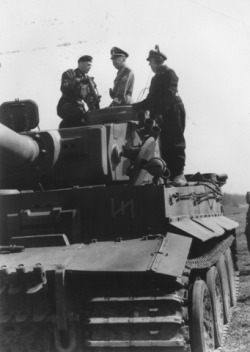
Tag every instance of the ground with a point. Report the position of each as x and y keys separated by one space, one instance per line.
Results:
x=238 y=338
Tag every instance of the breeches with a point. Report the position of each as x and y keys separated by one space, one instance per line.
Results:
x=172 y=141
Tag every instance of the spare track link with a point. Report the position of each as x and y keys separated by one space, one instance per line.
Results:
x=25 y=312
x=23 y=295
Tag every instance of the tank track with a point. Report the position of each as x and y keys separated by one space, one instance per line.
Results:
x=157 y=321
x=138 y=322
x=25 y=337
x=226 y=326
x=130 y=313
x=211 y=257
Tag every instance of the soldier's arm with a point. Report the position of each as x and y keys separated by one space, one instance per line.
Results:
x=170 y=86
x=92 y=98
x=69 y=82
x=143 y=105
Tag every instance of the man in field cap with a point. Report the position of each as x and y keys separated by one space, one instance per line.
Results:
x=124 y=81
x=75 y=92
x=166 y=106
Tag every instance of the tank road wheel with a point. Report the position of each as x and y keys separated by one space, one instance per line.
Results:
x=202 y=329
x=222 y=269
x=231 y=277
x=215 y=290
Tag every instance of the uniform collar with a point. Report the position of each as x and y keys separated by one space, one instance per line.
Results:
x=122 y=69
x=161 y=69
x=79 y=72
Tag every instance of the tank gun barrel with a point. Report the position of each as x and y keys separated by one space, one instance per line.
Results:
x=15 y=149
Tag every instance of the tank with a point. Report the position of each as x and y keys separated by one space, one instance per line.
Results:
x=100 y=253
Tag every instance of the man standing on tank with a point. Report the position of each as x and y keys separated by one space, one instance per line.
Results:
x=75 y=91
x=124 y=81
x=167 y=109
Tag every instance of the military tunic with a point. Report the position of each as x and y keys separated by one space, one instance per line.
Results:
x=123 y=87
x=74 y=90
x=163 y=101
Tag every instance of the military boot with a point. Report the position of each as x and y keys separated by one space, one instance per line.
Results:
x=178 y=180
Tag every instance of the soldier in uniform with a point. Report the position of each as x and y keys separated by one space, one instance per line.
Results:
x=166 y=107
x=124 y=81
x=76 y=88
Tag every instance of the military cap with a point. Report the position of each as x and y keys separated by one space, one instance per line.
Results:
x=156 y=54
x=115 y=52
x=85 y=58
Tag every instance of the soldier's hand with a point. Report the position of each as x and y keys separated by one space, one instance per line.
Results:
x=71 y=74
x=111 y=93
x=116 y=102
x=76 y=85
x=159 y=120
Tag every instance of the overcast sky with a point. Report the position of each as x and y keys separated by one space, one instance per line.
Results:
x=207 y=43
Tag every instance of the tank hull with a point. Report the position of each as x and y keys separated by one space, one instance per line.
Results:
x=99 y=252
x=108 y=267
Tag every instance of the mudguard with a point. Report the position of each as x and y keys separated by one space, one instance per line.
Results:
x=161 y=254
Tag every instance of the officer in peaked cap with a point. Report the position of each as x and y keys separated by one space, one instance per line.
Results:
x=121 y=93
x=75 y=92
x=166 y=106
x=116 y=52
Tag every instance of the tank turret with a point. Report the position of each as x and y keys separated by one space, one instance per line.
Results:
x=102 y=152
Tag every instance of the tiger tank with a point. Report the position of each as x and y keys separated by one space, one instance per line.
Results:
x=99 y=252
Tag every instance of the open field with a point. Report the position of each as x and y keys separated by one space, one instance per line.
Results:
x=238 y=339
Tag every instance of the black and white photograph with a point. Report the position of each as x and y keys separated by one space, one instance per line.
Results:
x=124 y=176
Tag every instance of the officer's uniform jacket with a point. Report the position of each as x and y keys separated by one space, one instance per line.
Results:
x=123 y=86
x=72 y=86
x=162 y=92
x=163 y=101
x=75 y=89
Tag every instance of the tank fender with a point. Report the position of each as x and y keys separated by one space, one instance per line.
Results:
x=165 y=254
x=204 y=228
x=172 y=255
